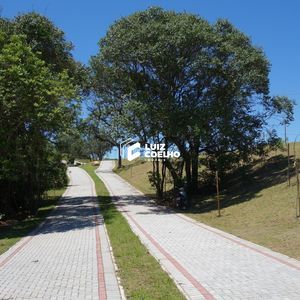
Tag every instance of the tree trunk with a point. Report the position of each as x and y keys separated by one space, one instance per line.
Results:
x=163 y=177
x=188 y=170
x=119 y=157
x=175 y=176
x=195 y=164
x=159 y=191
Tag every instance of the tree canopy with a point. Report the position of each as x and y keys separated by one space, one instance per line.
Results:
x=175 y=77
x=38 y=102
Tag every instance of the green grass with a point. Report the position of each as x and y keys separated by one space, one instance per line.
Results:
x=83 y=160
x=257 y=206
x=11 y=235
x=141 y=275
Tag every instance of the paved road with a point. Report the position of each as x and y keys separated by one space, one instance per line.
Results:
x=205 y=263
x=66 y=258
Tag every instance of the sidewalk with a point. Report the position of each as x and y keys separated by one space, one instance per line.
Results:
x=205 y=263
x=68 y=257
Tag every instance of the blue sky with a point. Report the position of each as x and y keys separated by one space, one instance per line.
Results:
x=273 y=25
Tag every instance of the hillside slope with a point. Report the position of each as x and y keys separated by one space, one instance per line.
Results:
x=257 y=205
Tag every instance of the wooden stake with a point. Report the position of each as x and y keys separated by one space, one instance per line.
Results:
x=218 y=194
x=298 y=192
x=288 y=170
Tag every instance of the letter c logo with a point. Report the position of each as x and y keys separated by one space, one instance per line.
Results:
x=131 y=156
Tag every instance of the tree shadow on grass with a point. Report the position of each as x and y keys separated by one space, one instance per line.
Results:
x=244 y=184
x=18 y=229
x=107 y=208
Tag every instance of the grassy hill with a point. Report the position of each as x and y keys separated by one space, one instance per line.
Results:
x=257 y=204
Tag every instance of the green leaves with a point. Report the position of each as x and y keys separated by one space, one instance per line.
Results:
x=45 y=39
x=36 y=94
x=284 y=107
x=200 y=86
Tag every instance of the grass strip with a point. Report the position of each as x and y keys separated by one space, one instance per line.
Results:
x=141 y=275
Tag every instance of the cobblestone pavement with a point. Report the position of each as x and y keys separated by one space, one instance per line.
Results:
x=205 y=263
x=67 y=257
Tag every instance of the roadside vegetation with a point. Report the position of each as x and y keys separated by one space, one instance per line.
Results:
x=256 y=202
x=11 y=231
x=40 y=86
x=141 y=275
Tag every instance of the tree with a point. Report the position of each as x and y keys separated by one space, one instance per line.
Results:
x=80 y=141
x=34 y=108
x=45 y=39
x=48 y=42
x=72 y=145
x=104 y=125
x=40 y=88
x=202 y=87
x=284 y=107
